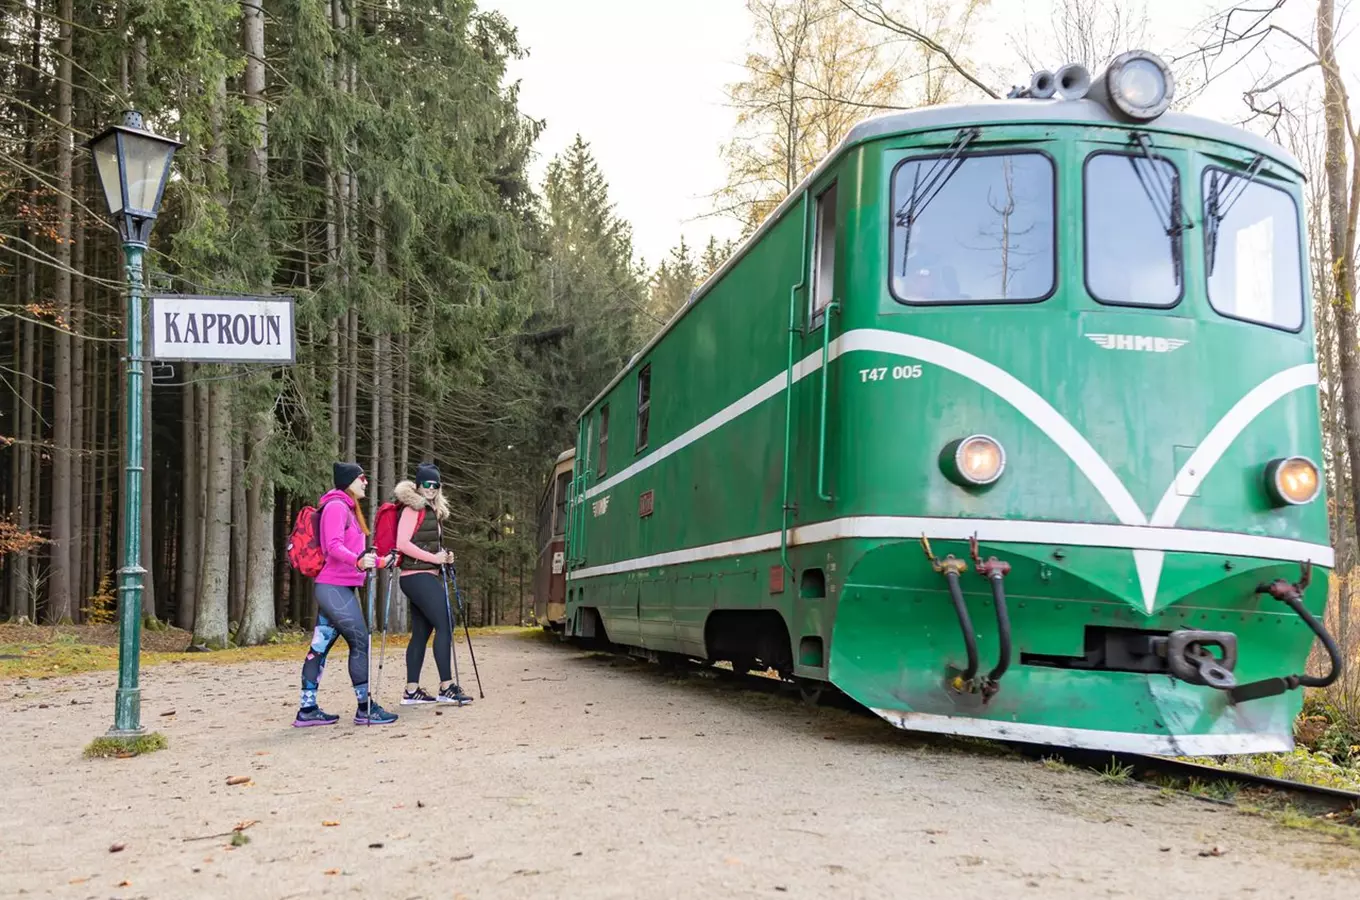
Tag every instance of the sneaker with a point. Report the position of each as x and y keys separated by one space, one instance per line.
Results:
x=374 y=716
x=419 y=695
x=454 y=694
x=314 y=716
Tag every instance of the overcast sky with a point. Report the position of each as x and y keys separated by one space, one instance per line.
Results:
x=643 y=82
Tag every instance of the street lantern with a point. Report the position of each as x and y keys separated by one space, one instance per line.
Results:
x=133 y=165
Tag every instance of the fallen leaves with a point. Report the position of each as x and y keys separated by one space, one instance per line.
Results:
x=331 y=872
x=1213 y=851
x=117 y=848
x=329 y=824
x=238 y=779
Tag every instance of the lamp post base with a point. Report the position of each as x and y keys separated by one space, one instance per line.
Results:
x=127 y=711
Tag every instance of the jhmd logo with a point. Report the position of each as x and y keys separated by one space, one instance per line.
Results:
x=1137 y=342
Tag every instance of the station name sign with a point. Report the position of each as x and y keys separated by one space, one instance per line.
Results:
x=198 y=328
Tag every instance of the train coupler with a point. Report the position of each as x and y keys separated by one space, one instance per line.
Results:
x=1292 y=596
x=1188 y=656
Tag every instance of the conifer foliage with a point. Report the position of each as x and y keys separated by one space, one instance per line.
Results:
x=369 y=160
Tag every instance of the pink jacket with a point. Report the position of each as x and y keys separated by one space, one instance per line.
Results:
x=342 y=540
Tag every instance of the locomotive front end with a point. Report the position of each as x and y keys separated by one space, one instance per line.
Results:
x=1092 y=513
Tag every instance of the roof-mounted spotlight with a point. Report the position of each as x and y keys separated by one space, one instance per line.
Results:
x=1136 y=85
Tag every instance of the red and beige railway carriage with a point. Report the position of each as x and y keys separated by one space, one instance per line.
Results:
x=550 y=572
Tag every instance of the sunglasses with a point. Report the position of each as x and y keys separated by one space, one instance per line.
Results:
x=430 y=485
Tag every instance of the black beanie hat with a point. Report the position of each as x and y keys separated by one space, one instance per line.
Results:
x=427 y=472
x=345 y=474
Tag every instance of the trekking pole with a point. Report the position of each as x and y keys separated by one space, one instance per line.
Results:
x=372 y=595
x=453 y=623
x=467 y=633
x=387 y=622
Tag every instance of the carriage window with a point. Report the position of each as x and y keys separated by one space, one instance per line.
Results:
x=1251 y=249
x=601 y=463
x=824 y=263
x=644 y=406
x=560 y=517
x=1133 y=255
x=975 y=228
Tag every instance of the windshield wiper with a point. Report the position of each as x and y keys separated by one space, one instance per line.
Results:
x=923 y=191
x=1162 y=193
x=1220 y=201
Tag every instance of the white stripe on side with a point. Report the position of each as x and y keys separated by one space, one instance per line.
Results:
x=1015 y=531
x=1148 y=555
x=1091 y=739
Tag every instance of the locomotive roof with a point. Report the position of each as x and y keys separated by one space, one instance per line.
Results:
x=958 y=115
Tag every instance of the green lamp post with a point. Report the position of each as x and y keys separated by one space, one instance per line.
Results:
x=133 y=165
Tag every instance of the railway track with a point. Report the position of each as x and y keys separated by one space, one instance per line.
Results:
x=1208 y=783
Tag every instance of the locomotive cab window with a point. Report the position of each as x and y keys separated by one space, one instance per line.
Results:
x=974 y=229
x=1251 y=250
x=824 y=258
x=602 y=463
x=644 y=406
x=1133 y=245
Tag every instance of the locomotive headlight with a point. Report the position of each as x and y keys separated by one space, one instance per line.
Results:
x=974 y=461
x=1137 y=85
x=1292 y=481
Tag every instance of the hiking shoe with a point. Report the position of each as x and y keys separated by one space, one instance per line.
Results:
x=314 y=716
x=454 y=694
x=375 y=716
x=419 y=695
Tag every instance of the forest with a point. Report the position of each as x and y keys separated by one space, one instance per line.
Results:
x=371 y=160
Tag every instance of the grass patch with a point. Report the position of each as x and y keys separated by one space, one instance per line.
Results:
x=1114 y=772
x=1302 y=765
x=125 y=747
x=1053 y=764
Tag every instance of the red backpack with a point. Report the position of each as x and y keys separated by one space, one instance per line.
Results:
x=385 y=528
x=304 y=543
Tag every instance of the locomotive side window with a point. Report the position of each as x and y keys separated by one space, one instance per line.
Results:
x=1133 y=252
x=1251 y=250
x=644 y=406
x=603 y=464
x=824 y=261
x=977 y=229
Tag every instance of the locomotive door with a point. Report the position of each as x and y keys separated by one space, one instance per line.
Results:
x=815 y=416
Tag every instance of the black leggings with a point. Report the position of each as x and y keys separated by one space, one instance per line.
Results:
x=429 y=613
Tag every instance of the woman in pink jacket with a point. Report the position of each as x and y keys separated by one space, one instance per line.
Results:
x=344 y=539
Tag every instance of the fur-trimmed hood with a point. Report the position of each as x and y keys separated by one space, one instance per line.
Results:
x=407 y=494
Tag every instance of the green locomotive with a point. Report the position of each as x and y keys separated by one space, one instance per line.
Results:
x=1004 y=423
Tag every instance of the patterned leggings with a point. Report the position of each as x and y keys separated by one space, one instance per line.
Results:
x=338 y=615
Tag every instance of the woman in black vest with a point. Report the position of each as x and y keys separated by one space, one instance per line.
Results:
x=420 y=543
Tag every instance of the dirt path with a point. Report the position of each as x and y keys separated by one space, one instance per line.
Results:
x=583 y=776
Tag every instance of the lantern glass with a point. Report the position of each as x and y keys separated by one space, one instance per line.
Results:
x=105 y=149
x=146 y=163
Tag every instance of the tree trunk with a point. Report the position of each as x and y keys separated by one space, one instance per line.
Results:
x=150 y=550
x=210 y=619
x=80 y=588
x=190 y=527
x=257 y=621
x=1341 y=237
x=59 y=605
x=237 y=606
